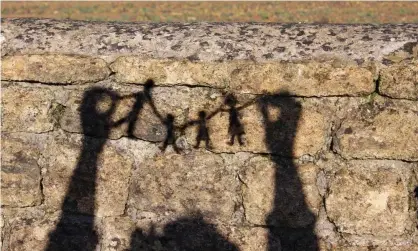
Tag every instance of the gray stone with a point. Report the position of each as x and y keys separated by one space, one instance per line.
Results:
x=208 y=41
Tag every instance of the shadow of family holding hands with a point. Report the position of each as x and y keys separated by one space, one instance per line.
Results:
x=75 y=229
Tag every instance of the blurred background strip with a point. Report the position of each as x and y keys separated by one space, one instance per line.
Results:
x=285 y=12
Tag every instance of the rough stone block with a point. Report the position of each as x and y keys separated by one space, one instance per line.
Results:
x=180 y=184
x=400 y=81
x=370 y=199
x=382 y=128
x=27 y=110
x=20 y=172
x=110 y=175
x=54 y=69
x=280 y=193
x=170 y=72
x=305 y=79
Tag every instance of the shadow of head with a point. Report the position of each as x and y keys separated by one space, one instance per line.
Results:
x=186 y=233
x=230 y=100
x=416 y=192
x=97 y=107
x=281 y=114
x=148 y=85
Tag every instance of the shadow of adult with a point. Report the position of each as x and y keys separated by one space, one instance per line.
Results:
x=290 y=222
x=75 y=229
x=185 y=234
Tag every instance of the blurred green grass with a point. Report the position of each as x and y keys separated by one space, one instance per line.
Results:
x=308 y=12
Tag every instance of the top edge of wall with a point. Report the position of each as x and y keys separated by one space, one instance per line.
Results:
x=211 y=42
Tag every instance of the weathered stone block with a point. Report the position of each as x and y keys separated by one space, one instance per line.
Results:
x=278 y=192
x=27 y=110
x=20 y=173
x=169 y=72
x=400 y=81
x=382 y=128
x=54 y=68
x=109 y=173
x=180 y=184
x=306 y=79
x=370 y=198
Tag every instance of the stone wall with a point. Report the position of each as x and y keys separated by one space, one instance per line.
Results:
x=329 y=158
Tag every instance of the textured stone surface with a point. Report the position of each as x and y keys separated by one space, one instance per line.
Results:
x=53 y=69
x=33 y=233
x=30 y=234
x=117 y=233
x=374 y=199
x=404 y=247
x=113 y=171
x=266 y=181
x=380 y=128
x=400 y=81
x=179 y=184
x=20 y=172
x=208 y=41
x=27 y=110
x=309 y=79
x=170 y=72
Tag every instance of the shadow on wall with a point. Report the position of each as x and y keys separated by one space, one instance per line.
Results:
x=286 y=222
x=187 y=233
x=72 y=231
x=416 y=198
x=291 y=223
